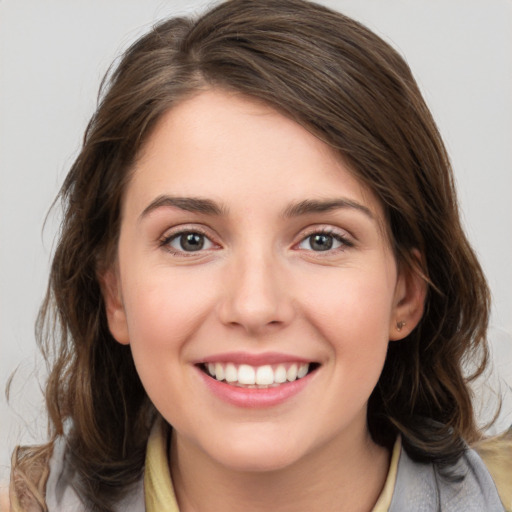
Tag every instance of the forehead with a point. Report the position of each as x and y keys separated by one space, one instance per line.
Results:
x=233 y=148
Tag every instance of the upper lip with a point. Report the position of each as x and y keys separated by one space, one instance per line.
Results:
x=253 y=359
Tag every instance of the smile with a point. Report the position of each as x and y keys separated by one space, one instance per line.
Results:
x=256 y=381
x=257 y=377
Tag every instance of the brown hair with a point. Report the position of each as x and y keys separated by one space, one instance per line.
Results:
x=353 y=91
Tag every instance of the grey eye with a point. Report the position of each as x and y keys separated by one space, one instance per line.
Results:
x=321 y=242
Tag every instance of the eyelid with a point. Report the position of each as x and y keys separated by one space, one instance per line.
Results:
x=328 y=229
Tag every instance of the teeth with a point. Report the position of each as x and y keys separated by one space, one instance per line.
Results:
x=231 y=373
x=280 y=374
x=246 y=374
x=302 y=371
x=264 y=375
x=219 y=372
x=257 y=376
x=291 y=374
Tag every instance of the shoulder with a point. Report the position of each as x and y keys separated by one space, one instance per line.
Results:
x=496 y=452
x=423 y=487
x=60 y=492
x=29 y=473
x=41 y=479
x=61 y=495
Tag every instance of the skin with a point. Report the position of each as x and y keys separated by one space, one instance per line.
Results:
x=258 y=286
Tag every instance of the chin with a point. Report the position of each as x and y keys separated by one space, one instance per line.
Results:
x=257 y=462
x=255 y=456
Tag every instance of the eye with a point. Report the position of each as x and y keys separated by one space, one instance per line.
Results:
x=323 y=241
x=190 y=241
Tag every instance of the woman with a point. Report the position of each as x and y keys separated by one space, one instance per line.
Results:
x=262 y=271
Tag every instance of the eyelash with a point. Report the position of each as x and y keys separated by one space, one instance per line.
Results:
x=343 y=240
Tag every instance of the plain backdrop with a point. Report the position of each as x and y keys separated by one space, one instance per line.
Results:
x=53 y=55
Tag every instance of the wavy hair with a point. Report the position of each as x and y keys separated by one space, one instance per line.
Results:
x=353 y=91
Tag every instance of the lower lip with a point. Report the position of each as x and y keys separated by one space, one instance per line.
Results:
x=253 y=398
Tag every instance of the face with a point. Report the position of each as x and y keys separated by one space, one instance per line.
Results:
x=255 y=285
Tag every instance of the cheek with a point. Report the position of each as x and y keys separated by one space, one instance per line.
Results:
x=165 y=309
x=355 y=303
x=163 y=314
x=353 y=316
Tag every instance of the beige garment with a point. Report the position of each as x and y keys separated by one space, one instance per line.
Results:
x=158 y=489
x=496 y=452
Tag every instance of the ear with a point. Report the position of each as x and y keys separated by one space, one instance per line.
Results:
x=409 y=300
x=112 y=297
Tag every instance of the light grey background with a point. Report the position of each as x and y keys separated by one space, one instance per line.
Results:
x=53 y=55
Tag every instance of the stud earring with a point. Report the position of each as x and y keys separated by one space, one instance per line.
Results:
x=400 y=325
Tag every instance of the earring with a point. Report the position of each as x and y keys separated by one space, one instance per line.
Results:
x=400 y=325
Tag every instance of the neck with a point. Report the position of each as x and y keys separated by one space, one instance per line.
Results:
x=345 y=476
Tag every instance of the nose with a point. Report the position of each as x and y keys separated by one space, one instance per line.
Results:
x=256 y=295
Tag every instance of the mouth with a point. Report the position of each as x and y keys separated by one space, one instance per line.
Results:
x=257 y=377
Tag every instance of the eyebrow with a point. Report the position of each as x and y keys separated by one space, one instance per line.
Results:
x=189 y=204
x=325 y=205
x=209 y=207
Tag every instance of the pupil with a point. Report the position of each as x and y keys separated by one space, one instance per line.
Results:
x=321 y=242
x=192 y=242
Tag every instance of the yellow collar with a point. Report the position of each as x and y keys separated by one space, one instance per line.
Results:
x=384 y=501
x=158 y=489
